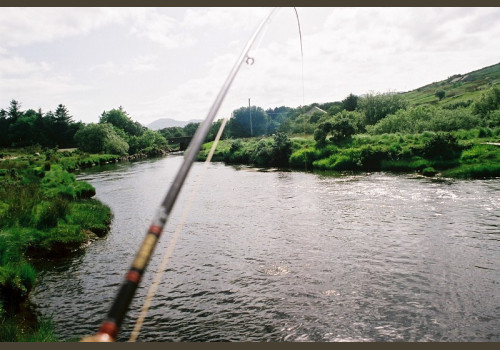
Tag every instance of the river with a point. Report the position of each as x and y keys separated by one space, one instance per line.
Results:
x=291 y=256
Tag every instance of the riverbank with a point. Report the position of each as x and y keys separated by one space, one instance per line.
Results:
x=466 y=154
x=45 y=214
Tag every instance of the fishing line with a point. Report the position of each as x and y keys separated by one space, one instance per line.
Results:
x=301 y=52
x=262 y=35
x=166 y=257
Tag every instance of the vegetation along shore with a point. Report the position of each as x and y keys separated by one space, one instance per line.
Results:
x=449 y=128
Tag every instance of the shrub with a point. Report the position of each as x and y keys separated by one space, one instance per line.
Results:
x=371 y=157
x=489 y=101
x=442 y=146
x=263 y=154
x=440 y=94
x=378 y=106
x=281 y=149
x=303 y=158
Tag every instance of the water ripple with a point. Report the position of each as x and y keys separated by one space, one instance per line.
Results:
x=288 y=256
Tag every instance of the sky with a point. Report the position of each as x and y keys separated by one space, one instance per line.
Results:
x=171 y=62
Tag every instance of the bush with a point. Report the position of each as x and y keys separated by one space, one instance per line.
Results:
x=99 y=138
x=263 y=154
x=371 y=157
x=442 y=146
x=489 y=101
x=426 y=118
x=303 y=158
x=281 y=149
x=440 y=94
x=378 y=106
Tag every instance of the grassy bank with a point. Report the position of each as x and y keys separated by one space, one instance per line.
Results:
x=44 y=213
x=458 y=154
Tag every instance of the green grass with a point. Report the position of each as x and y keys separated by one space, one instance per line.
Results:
x=480 y=161
x=59 y=183
x=90 y=215
x=12 y=331
x=44 y=213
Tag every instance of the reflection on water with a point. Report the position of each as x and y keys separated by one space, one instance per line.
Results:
x=290 y=256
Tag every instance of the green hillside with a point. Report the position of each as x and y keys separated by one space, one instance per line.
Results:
x=459 y=88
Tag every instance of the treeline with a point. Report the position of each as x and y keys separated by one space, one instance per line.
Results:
x=374 y=113
x=245 y=122
x=333 y=122
x=26 y=128
x=115 y=133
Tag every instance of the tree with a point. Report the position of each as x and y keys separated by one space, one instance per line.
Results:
x=342 y=126
x=4 y=129
x=378 y=106
x=14 y=111
x=350 y=102
x=214 y=129
x=488 y=102
x=148 y=140
x=63 y=133
x=120 y=119
x=282 y=149
x=173 y=131
x=22 y=131
x=442 y=146
x=440 y=94
x=320 y=136
x=99 y=138
x=62 y=115
x=190 y=129
x=240 y=126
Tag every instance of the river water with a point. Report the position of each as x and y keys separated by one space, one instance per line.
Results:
x=291 y=256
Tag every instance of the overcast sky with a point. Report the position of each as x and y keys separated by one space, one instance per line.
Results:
x=171 y=62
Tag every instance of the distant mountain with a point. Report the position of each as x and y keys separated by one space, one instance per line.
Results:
x=168 y=122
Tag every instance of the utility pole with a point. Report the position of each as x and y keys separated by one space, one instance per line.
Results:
x=250 y=111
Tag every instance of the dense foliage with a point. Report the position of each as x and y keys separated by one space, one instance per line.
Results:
x=115 y=133
x=380 y=132
x=25 y=128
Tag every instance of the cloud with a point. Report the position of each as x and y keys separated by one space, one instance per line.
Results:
x=18 y=66
x=24 y=26
x=223 y=17
x=160 y=28
x=381 y=49
x=141 y=63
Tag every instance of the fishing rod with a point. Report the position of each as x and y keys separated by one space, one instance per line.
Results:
x=110 y=327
